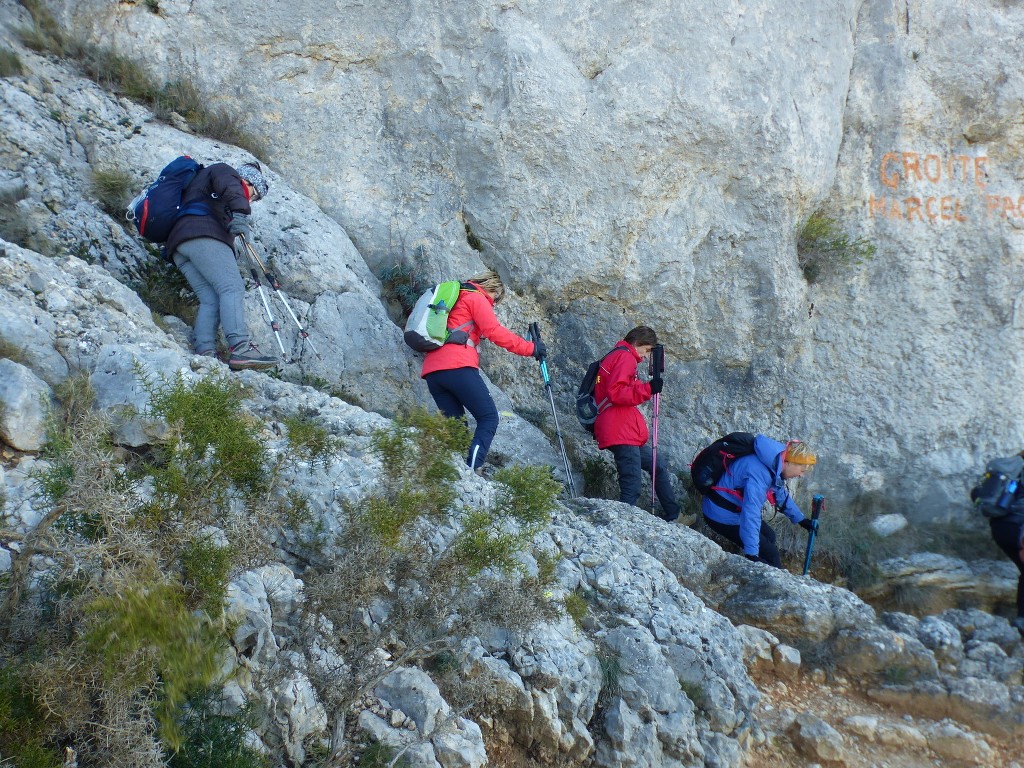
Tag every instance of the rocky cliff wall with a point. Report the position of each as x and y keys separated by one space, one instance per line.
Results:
x=648 y=162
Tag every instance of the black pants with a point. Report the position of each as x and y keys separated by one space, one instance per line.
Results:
x=463 y=389
x=1006 y=533
x=767 y=551
x=629 y=461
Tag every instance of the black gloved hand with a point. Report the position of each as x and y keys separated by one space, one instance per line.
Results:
x=657 y=384
x=753 y=558
x=239 y=225
x=539 y=350
x=808 y=525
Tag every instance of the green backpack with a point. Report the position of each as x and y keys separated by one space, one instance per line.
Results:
x=427 y=326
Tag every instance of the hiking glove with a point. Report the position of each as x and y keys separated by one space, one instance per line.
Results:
x=239 y=225
x=657 y=384
x=808 y=525
x=539 y=350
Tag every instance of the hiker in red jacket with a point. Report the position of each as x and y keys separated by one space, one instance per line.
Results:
x=621 y=428
x=452 y=372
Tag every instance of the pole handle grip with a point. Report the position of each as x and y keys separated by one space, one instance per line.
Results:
x=817 y=506
x=656 y=367
x=534 y=332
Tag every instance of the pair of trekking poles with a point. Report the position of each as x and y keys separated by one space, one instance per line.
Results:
x=272 y=282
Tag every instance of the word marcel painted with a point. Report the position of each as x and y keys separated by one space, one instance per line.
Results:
x=947 y=188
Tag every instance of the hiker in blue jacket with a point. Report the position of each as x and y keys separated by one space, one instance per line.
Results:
x=750 y=481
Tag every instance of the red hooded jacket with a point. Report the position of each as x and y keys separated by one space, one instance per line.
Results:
x=476 y=306
x=620 y=422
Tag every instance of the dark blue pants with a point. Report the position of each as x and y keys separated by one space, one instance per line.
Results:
x=629 y=461
x=1006 y=533
x=767 y=551
x=460 y=390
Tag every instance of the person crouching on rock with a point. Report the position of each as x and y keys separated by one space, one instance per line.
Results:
x=452 y=372
x=747 y=484
x=622 y=429
x=201 y=247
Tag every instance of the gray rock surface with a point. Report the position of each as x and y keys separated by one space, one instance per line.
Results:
x=24 y=400
x=623 y=163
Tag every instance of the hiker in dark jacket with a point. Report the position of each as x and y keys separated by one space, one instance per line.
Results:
x=1008 y=534
x=622 y=429
x=452 y=372
x=202 y=248
x=750 y=481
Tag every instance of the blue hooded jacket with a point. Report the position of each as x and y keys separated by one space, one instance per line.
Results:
x=752 y=477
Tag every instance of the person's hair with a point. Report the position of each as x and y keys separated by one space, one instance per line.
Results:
x=642 y=336
x=490 y=281
x=797 y=452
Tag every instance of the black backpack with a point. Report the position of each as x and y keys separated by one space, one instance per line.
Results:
x=710 y=464
x=158 y=206
x=587 y=408
x=998 y=492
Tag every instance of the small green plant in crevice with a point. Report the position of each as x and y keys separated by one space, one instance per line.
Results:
x=310 y=441
x=472 y=240
x=164 y=289
x=377 y=755
x=11 y=351
x=205 y=568
x=153 y=6
x=402 y=287
x=22 y=735
x=611 y=675
x=577 y=606
x=10 y=64
x=528 y=494
x=896 y=675
x=694 y=692
x=211 y=739
x=822 y=244
x=113 y=188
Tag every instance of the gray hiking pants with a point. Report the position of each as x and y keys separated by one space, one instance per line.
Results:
x=210 y=268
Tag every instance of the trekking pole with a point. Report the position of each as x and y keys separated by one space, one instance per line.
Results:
x=535 y=337
x=817 y=506
x=655 y=368
x=274 y=326
x=273 y=282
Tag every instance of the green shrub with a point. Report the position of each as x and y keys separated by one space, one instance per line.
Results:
x=480 y=545
x=113 y=188
x=377 y=755
x=10 y=64
x=310 y=441
x=577 y=606
x=529 y=494
x=822 y=243
x=211 y=424
x=149 y=627
x=205 y=568
x=214 y=740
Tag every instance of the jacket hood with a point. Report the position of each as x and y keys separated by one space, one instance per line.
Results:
x=768 y=452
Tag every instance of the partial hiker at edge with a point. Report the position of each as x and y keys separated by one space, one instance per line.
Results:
x=733 y=509
x=999 y=496
x=621 y=428
x=452 y=371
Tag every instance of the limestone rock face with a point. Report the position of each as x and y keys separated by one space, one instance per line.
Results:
x=623 y=163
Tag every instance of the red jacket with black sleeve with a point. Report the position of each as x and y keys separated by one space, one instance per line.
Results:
x=620 y=421
x=474 y=306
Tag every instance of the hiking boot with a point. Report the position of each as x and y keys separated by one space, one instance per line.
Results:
x=247 y=356
x=1018 y=624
